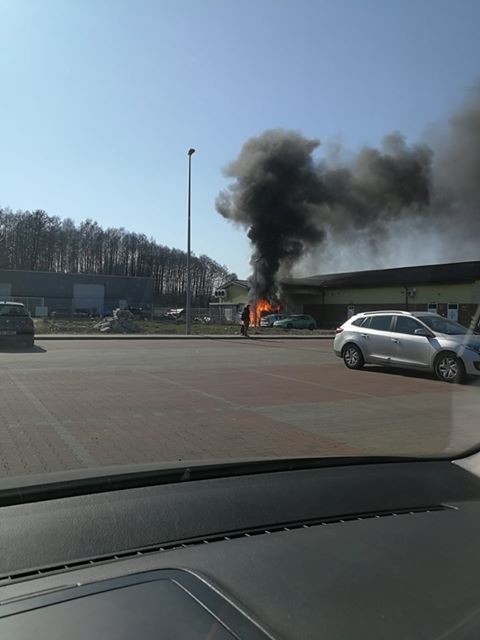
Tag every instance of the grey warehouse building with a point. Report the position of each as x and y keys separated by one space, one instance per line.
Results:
x=45 y=292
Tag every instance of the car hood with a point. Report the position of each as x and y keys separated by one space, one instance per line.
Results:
x=458 y=340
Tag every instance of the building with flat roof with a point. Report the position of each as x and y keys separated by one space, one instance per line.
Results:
x=45 y=292
x=452 y=290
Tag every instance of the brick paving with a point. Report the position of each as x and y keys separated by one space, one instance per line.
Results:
x=70 y=405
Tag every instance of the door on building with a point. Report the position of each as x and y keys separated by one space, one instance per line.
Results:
x=88 y=297
x=432 y=307
x=376 y=338
x=452 y=312
x=5 y=290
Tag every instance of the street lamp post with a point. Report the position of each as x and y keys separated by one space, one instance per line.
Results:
x=188 y=306
x=255 y=286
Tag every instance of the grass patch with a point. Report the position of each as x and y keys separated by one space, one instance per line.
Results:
x=86 y=325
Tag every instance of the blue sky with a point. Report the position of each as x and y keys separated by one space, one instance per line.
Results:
x=101 y=99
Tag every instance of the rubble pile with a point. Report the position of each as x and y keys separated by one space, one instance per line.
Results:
x=122 y=322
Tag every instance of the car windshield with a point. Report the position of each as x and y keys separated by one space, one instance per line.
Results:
x=11 y=310
x=444 y=325
x=213 y=215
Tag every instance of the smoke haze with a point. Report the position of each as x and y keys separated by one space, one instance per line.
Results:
x=399 y=204
x=276 y=187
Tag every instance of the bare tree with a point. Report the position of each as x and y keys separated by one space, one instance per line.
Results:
x=39 y=242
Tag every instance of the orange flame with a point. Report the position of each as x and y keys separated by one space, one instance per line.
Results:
x=261 y=308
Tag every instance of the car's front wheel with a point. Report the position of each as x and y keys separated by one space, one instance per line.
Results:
x=449 y=368
x=353 y=357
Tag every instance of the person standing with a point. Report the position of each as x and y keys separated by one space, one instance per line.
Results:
x=245 y=320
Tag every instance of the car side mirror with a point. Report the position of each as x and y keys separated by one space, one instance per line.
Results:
x=422 y=332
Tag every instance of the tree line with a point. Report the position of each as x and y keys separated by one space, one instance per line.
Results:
x=35 y=241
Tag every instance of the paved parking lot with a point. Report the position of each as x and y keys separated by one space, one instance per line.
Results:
x=73 y=404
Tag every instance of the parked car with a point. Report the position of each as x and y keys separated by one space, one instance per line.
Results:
x=268 y=321
x=416 y=340
x=174 y=315
x=16 y=325
x=296 y=321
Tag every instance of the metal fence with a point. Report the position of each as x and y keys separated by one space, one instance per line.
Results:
x=214 y=314
x=200 y=315
x=224 y=313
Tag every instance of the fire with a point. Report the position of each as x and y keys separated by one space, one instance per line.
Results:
x=261 y=308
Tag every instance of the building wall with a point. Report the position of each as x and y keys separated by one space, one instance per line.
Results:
x=476 y=292
x=331 y=307
x=58 y=288
x=425 y=294
x=229 y=308
x=235 y=294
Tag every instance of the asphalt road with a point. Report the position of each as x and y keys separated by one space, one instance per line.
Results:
x=74 y=404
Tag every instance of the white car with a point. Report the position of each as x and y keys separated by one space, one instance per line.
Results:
x=417 y=340
x=267 y=321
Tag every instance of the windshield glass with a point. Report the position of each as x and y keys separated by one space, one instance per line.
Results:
x=12 y=310
x=221 y=219
x=443 y=325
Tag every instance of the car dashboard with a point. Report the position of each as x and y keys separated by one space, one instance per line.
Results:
x=368 y=550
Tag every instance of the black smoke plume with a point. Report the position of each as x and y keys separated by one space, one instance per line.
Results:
x=290 y=201
x=276 y=186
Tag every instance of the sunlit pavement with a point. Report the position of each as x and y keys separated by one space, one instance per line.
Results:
x=73 y=404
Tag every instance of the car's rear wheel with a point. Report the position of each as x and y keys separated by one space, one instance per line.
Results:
x=289 y=326
x=28 y=342
x=449 y=368
x=353 y=357
x=311 y=327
